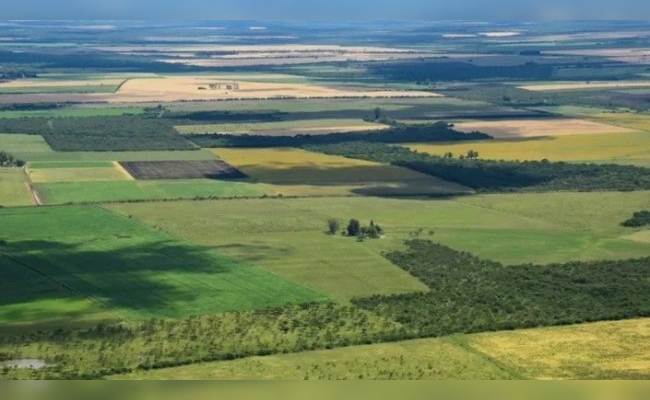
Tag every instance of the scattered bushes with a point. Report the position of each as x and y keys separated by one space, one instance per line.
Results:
x=8 y=160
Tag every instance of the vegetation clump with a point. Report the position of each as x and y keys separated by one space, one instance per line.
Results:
x=639 y=218
x=8 y=160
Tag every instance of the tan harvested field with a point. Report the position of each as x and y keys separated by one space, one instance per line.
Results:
x=285 y=128
x=538 y=127
x=29 y=83
x=187 y=88
x=585 y=85
x=601 y=350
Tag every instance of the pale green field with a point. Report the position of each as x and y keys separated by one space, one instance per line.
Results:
x=77 y=174
x=307 y=126
x=13 y=188
x=623 y=148
x=416 y=359
x=602 y=350
x=287 y=236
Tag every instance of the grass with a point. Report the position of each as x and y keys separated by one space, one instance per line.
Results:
x=13 y=188
x=602 y=350
x=123 y=266
x=313 y=126
x=619 y=147
x=79 y=173
x=122 y=190
x=627 y=120
x=74 y=112
x=301 y=172
x=287 y=236
x=416 y=359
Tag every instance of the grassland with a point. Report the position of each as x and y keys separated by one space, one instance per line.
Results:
x=285 y=128
x=417 y=359
x=13 y=188
x=73 y=112
x=623 y=148
x=287 y=236
x=301 y=172
x=538 y=127
x=76 y=172
x=124 y=267
x=602 y=350
x=78 y=191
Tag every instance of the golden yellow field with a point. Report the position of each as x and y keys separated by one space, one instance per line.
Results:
x=113 y=173
x=602 y=350
x=288 y=128
x=616 y=147
x=586 y=85
x=300 y=172
x=538 y=127
x=178 y=88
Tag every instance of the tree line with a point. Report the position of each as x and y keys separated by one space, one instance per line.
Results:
x=8 y=160
x=499 y=176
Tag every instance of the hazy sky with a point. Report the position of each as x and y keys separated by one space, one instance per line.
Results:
x=328 y=9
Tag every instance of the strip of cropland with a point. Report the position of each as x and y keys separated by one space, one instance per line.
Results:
x=97 y=260
x=285 y=128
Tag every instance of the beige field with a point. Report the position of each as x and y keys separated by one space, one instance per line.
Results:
x=602 y=350
x=585 y=85
x=42 y=175
x=538 y=127
x=285 y=128
x=187 y=88
x=300 y=172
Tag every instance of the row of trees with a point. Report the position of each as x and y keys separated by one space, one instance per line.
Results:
x=8 y=160
x=355 y=229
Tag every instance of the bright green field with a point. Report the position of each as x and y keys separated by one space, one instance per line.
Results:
x=74 y=112
x=287 y=236
x=102 y=191
x=13 y=188
x=416 y=359
x=94 y=260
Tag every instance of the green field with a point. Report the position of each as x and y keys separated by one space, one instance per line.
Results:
x=123 y=266
x=75 y=112
x=306 y=126
x=121 y=190
x=13 y=188
x=416 y=359
x=621 y=148
x=60 y=89
x=287 y=236
x=63 y=164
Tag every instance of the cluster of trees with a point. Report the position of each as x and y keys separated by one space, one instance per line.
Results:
x=497 y=176
x=639 y=218
x=400 y=133
x=469 y=294
x=8 y=160
x=107 y=133
x=355 y=229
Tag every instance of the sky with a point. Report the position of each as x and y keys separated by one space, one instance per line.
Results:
x=327 y=9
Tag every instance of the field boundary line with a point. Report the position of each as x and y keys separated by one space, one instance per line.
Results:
x=123 y=170
x=32 y=189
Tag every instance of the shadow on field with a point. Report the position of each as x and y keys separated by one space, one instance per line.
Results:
x=161 y=278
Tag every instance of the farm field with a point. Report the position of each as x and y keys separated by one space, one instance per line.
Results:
x=127 y=268
x=602 y=350
x=585 y=85
x=76 y=172
x=125 y=190
x=539 y=127
x=295 y=172
x=13 y=188
x=75 y=112
x=418 y=359
x=622 y=148
x=285 y=128
x=213 y=169
x=281 y=234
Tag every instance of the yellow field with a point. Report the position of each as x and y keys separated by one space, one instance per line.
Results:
x=616 y=147
x=13 y=188
x=188 y=88
x=297 y=171
x=538 y=127
x=628 y=120
x=603 y=350
x=114 y=173
x=585 y=85
x=285 y=128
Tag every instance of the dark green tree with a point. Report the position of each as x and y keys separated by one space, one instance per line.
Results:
x=354 y=227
